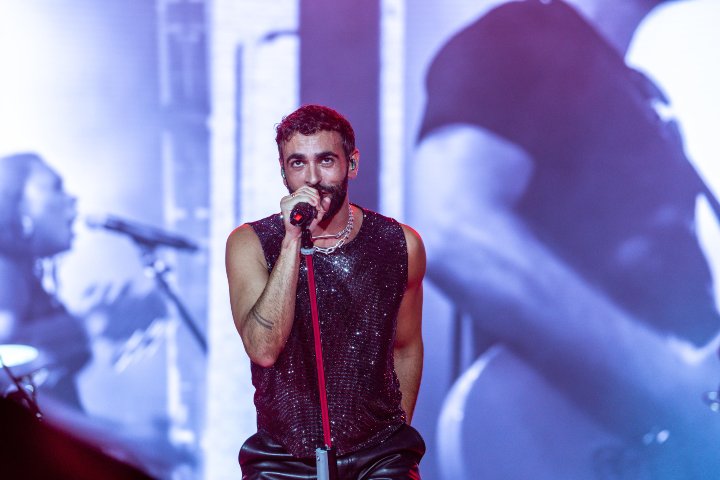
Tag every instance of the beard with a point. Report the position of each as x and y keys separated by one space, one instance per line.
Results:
x=337 y=197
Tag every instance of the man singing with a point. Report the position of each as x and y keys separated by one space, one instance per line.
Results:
x=368 y=273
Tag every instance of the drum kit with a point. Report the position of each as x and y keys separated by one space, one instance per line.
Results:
x=36 y=444
x=23 y=369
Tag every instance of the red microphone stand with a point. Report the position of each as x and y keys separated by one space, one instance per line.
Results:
x=325 y=458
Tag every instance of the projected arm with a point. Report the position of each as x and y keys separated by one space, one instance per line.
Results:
x=58 y=334
x=14 y=299
x=466 y=182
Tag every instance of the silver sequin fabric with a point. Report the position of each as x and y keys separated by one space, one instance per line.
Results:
x=359 y=290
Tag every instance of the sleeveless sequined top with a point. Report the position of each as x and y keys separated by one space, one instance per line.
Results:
x=359 y=290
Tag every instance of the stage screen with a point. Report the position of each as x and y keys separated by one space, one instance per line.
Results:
x=558 y=157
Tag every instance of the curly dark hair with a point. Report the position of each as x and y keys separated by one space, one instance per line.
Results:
x=311 y=119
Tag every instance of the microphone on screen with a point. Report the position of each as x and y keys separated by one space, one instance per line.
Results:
x=146 y=235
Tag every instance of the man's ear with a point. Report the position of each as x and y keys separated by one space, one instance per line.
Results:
x=282 y=173
x=354 y=165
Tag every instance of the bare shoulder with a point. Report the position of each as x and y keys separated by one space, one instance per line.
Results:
x=412 y=237
x=243 y=236
x=243 y=245
x=475 y=162
x=416 y=254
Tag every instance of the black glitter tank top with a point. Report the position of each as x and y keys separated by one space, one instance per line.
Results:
x=359 y=289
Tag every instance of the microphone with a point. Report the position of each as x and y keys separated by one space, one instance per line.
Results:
x=302 y=214
x=144 y=235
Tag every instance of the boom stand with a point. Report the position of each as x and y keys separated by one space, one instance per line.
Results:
x=324 y=456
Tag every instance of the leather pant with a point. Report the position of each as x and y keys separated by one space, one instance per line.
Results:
x=396 y=458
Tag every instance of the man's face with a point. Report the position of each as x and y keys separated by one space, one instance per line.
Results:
x=318 y=161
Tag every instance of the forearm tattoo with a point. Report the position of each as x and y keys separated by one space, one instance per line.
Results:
x=264 y=322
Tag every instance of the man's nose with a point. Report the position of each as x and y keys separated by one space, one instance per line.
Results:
x=313 y=174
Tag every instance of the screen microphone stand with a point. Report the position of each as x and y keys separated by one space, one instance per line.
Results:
x=159 y=270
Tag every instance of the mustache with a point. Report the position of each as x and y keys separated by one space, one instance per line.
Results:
x=326 y=189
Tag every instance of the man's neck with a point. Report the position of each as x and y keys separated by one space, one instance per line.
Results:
x=615 y=20
x=338 y=222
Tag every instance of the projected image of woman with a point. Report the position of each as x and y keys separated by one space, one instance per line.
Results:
x=36 y=220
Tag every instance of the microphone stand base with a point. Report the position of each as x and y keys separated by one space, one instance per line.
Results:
x=326 y=462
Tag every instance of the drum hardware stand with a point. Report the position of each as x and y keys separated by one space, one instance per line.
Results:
x=21 y=394
x=325 y=457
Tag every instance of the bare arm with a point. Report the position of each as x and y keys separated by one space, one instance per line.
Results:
x=408 y=348
x=519 y=292
x=262 y=303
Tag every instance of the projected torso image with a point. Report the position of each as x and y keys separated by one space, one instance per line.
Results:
x=564 y=226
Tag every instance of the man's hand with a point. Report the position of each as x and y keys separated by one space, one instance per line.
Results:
x=308 y=195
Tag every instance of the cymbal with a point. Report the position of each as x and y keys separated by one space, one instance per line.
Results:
x=23 y=360
x=14 y=355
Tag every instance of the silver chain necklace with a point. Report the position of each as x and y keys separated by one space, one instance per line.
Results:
x=345 y=233
x=342 y=233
